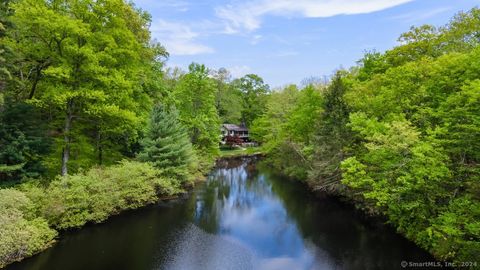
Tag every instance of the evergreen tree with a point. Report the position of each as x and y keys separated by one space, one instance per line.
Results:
x=167 y=144
x=23 y=142
x=331 y=138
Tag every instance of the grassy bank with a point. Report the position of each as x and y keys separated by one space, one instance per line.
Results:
x=239 y=152
x=31 y=214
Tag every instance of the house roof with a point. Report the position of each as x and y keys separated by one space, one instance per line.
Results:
x=234 y=127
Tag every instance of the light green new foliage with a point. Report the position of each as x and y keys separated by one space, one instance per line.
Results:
x=400 y=174
x=28 y=215
x=456 y=231
x=89 y=58
x=302 y=120
x=21 y=233
x=298 y=132
x=460 y=130
x=194 y=97
x=268 y=129
x=398 y=135
x=167 y=145
x=287 y=126
x=93 y=196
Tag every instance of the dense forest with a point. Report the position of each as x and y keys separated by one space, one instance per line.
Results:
x=93 y=123
x=398 y=134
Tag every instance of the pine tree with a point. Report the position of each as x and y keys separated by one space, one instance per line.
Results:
x=167 y=144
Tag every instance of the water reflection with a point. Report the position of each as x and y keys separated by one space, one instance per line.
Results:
x=273 y=223
x=250 y=221
x=243 y=217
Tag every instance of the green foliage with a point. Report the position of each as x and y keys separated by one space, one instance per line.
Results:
x=287 y=128
x=407 y=178
x=419 y=42
x=268 y=129
x=167 y=144
x=21 y=233
x=93 y=196
x=332 y=137
x=397 y=168
x=194 y=96
x=372 y=63
x=301 y=122
x=23 y=142
x=455 y=233
x=459 y=133
x=5 y=23
x=7 y=56
x=86 y=61
x=29 y=215
x=398 y=134
x=229 y=99
x=416 y=153
x=254 y=91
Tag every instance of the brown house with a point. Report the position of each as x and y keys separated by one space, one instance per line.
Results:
x=231 y=130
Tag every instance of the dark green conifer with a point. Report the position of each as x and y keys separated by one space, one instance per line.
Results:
x=167 y=144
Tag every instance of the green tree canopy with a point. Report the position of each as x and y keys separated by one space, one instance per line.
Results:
x=194 y=96
x=85 y=61
x=254 y=91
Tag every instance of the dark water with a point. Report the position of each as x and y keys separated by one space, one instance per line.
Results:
x=242 y=218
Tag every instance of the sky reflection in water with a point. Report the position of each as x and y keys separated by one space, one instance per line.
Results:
x=253 y=228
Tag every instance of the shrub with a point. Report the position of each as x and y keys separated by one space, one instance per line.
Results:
x=93 y=196
x=21 y=234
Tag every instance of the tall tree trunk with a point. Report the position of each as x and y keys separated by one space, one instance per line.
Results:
x=99 y=146
x=35 y=82
x=100 y=155
x=67 y=137
x=37 y=76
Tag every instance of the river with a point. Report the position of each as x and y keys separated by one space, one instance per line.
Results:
x=243 y=217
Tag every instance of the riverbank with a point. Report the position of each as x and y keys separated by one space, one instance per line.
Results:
x=32 y=215
x=239 y=152
x=242 y=217
x=376 y=215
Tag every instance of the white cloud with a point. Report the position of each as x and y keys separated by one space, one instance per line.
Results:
x=178 y=5
x=248 y=15
x=256 y=39
x=418 y=16
x=178 y=38
x=239 y=71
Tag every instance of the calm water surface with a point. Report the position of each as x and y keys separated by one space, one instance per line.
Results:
x=244 y=217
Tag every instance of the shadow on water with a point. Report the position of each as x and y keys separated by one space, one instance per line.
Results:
x=243 y=217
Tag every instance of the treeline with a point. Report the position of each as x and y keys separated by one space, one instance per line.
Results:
x=91 y=121
x=79 y=80
x=399 y=134
x=84 y=93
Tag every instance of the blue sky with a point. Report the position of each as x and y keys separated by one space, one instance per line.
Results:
x=285 y=41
